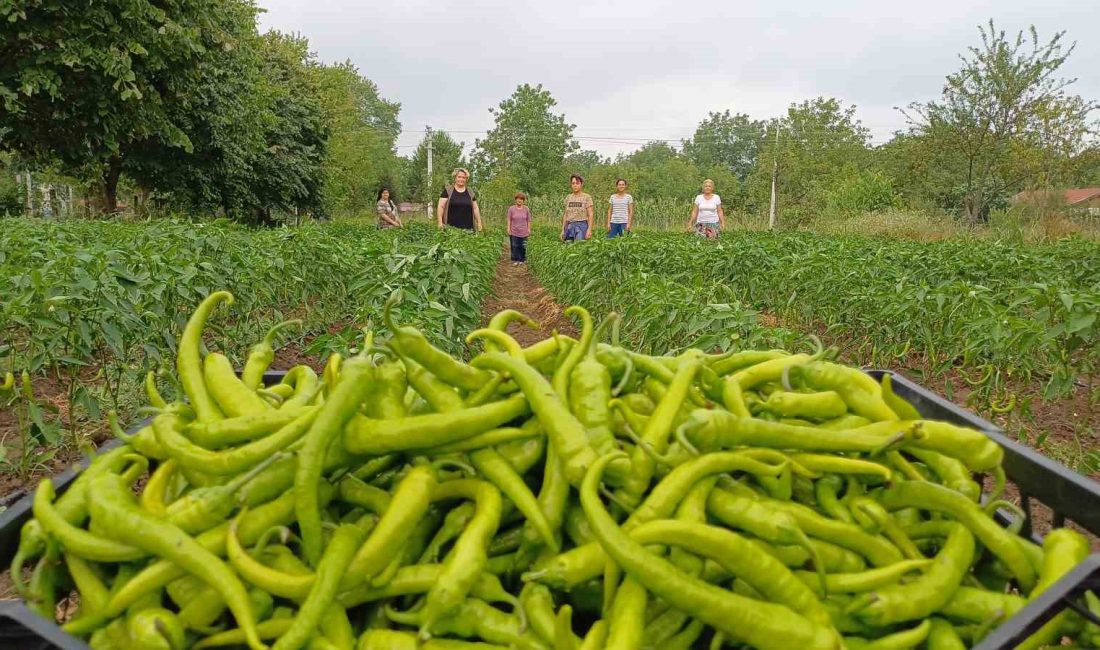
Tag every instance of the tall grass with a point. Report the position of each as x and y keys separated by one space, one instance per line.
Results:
x=1010 y=225
x=664 y=214
x=653 y=214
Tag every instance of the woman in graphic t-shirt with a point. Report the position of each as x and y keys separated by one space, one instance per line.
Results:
x=706 y=213
x=458 y=204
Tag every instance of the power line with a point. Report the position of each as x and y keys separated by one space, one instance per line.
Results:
x=633 y=138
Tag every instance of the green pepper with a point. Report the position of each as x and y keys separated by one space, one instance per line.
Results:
x=761 y=624
x=860 y=391
x=340 y=407
x=262 y=354
x=467 y=559
x=411 y=344
x=330 y=572
x=189 y=359
x=589 y=392
x=114 y=508
x=1063 y=550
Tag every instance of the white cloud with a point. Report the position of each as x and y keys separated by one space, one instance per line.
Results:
x=633 y=70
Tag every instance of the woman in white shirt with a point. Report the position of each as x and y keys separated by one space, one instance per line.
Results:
x=707 y=217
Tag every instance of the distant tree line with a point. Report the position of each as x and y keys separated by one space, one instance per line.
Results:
x=188 y=106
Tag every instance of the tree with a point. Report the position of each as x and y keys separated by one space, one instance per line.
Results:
x=1004 y=121
x=820 y=141
x=360 y=154
x=657 y=171
x=289 y=174
x=225 y=119
x=584 y=162
x=528 y=139
x=727 y=140
x=11 y=192
x=446 y=157
x=88 y=90
x=495 y=195
x=922 y=175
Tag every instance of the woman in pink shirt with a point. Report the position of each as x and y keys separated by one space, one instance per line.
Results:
x=519 y=228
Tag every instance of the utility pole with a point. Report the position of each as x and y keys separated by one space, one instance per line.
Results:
x=775 y=175
x=29 y=197
x=428 y=183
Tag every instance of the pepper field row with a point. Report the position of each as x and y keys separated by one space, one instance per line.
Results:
x=999 y=311
x=78 y=296
x=573 y=494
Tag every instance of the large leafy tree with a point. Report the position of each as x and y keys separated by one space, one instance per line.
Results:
x=289 y=173
x=226 y=120
x=658 y=171
x=819 y=142
x=528 y=139
x=90 y=88
x=446 y=156
x=1005 y=121
x=584 y=161
x=726 y=140
x=363 y=127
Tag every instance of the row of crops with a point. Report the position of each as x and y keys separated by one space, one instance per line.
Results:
x=89 y=307
x=998 y=312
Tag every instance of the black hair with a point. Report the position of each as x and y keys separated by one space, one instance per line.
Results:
x=621 y=180
x=384 y=189
x=580 y=179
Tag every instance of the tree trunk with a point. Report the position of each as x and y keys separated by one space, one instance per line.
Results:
x=55 y=203
x=28 y=196
x=110 y=185
x=141 y=202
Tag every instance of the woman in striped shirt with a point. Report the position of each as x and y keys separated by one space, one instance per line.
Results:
x=620 y=211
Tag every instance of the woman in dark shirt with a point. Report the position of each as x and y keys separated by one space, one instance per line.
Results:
x=458 y=204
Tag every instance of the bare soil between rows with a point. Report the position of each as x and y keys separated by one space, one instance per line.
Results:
x=515 y=288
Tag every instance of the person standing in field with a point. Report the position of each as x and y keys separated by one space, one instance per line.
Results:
x=387 y=211
x=706 y=213
x=458 y=204
x=620 y=211
x=519 y=228
x=577 y=221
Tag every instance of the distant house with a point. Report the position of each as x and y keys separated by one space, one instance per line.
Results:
x=1084 y=199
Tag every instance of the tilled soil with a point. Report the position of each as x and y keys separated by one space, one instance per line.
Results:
x=515 y=288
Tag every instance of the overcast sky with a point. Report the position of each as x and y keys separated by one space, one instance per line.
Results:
x=628 y=71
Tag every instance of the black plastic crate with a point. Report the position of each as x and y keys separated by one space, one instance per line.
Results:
x=19 y=502
x=1068 y=494
x=20 y=628
x=1066 y=593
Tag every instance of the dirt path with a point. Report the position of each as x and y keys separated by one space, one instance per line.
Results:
x=515 y=288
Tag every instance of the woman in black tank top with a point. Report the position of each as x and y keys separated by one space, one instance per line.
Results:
x=458 y=204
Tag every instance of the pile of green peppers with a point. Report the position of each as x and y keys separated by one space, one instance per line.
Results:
x=574 y=494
